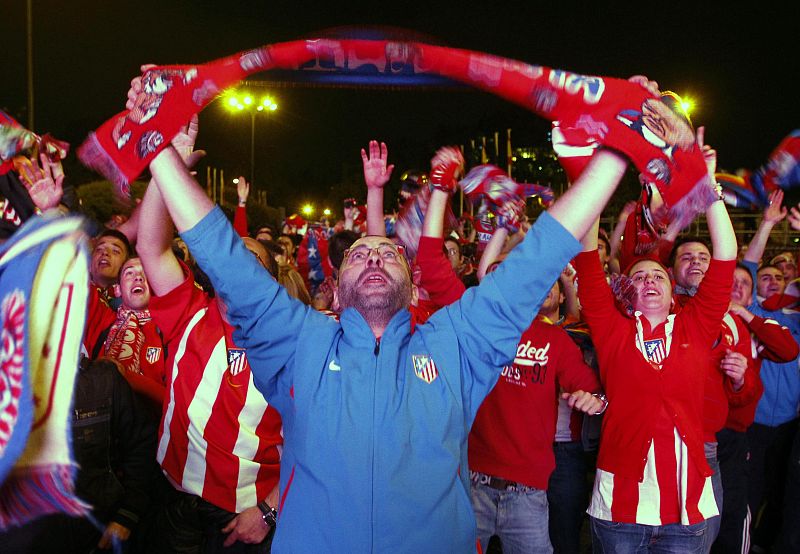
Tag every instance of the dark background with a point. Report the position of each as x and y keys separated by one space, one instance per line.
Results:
x=740 y=64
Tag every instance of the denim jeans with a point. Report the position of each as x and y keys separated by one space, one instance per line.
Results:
x=567 y=497
x=610 y=537
x=518 y=517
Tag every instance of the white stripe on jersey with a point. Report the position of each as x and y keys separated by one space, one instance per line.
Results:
x=727 y=319
x=165 y=436
x=199 y=412
x=648 y=508
x=247 y=445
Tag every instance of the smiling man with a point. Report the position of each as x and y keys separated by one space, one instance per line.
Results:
x=770 y=280
x=133 y=340
x=730 y=379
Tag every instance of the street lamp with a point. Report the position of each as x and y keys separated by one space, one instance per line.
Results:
x=237 y=101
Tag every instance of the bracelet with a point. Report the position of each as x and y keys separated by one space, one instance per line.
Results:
x=601 y=397
x=718 y=190
x=269 y=515
x=242 y=204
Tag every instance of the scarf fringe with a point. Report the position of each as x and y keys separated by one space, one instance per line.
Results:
x=695 y=202
x=94 y=156
x=29 y=493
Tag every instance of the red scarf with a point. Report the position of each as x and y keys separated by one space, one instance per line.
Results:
x=591 y=110
x=126 y=338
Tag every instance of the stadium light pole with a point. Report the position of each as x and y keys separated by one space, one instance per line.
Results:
x=236 y=102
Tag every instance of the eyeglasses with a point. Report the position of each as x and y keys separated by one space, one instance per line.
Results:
x=388 y=252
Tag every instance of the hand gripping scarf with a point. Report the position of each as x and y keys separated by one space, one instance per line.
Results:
x=446 y=164
x=43 y=291
x=592 y=110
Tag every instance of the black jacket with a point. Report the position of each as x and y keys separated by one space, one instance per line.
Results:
x=114 y=443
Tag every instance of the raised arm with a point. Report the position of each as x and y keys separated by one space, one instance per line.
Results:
x=773 y=214
x=240 y=217
x=723 y=239
x=376 y=174
x=492 y=251
x=162 y=268
x=436 y=274
x=615 y=240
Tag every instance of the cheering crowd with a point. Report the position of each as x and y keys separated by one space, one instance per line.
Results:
x=427 y=384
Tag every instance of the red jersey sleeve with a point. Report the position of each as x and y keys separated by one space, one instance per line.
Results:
x=172 y=311
x=598 y=307
x=704 y=311
x=751 y=388
x=775 y=342
x=437 y=276
x=240 y=221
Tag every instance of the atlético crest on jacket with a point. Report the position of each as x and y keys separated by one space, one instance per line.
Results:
x=655 y=350
x=152 y=354
x=237 y=360
x=424 y=367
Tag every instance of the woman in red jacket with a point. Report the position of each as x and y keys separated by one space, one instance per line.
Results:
x=652 y=490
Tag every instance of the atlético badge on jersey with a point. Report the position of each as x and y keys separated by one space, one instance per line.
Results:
x=237 y=360
x=152 y=354
x=424 y=368
x=655 y=351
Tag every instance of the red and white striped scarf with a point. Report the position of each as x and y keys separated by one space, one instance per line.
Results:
x=126 y=338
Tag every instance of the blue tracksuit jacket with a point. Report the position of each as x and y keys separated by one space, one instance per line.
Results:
x=375 y=456
x=781 y=381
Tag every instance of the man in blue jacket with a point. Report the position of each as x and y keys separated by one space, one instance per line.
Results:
x=376 y=411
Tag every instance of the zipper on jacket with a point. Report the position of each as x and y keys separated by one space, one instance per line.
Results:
x=373 y=447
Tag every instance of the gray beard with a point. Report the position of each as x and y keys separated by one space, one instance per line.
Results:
x=376 y=310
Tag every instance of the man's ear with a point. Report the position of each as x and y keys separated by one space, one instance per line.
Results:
x=414 y=295
x=117 y=291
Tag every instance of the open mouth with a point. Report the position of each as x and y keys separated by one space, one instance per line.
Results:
x=374 y=278
x=137 y=290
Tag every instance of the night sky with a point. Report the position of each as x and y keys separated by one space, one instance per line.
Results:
x=738 y=63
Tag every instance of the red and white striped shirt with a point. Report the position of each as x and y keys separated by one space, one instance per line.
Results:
x=672 y=490
x=651 y=466
x=218 y=438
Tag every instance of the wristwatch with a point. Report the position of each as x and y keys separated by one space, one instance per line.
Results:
x=604 y=400
x=269 y=515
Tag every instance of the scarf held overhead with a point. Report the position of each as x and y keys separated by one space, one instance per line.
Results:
x=592 y=110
